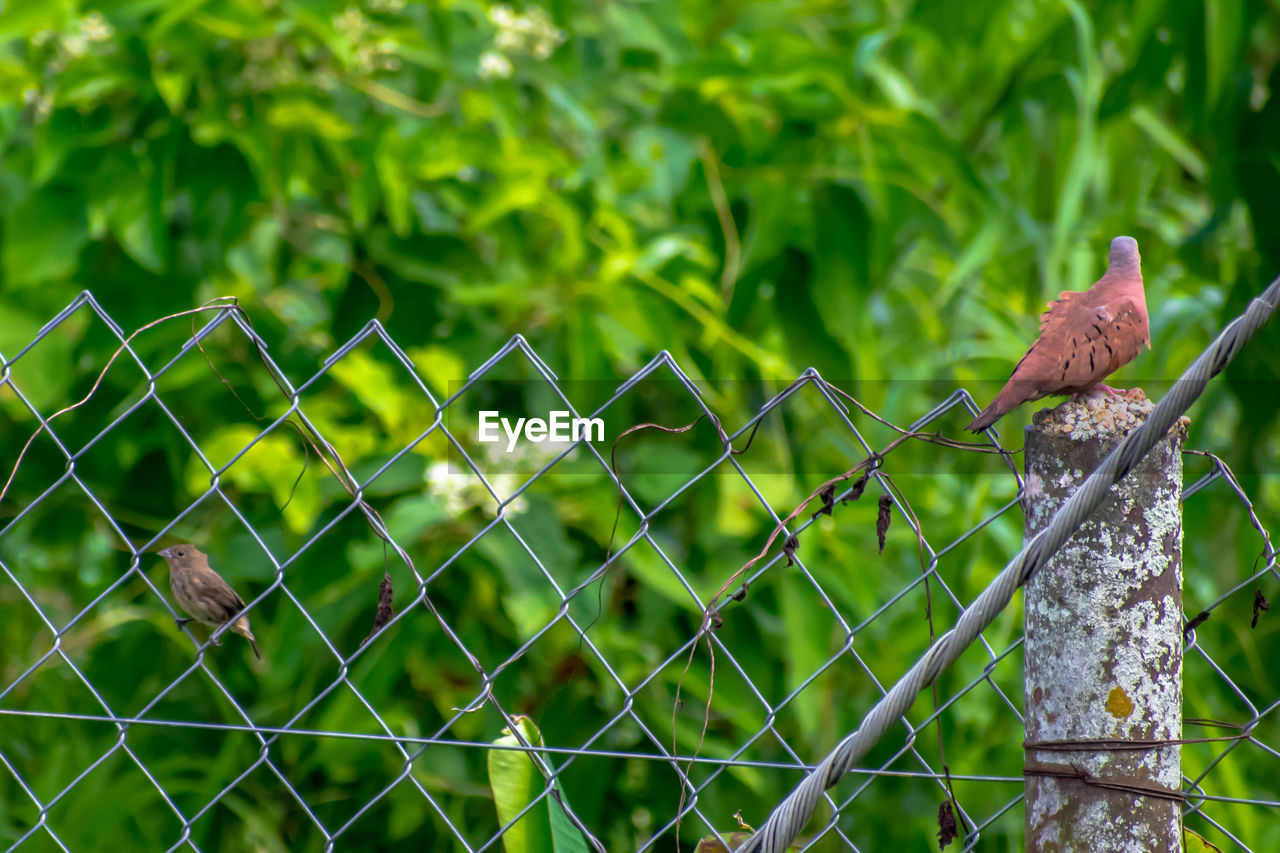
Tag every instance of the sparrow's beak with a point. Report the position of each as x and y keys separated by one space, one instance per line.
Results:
x=165 y=553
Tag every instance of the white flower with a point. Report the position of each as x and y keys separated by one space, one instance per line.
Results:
x=494 y=65
x=95 y=27
x=446 y=485
x=501 y=15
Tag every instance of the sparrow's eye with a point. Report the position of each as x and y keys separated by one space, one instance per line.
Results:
x=181 y=553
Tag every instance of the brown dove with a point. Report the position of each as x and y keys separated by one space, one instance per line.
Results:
x=1085 y=336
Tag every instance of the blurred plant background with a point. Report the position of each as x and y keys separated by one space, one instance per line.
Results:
x=887 y=192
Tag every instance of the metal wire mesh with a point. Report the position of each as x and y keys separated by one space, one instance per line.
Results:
x=756 y=719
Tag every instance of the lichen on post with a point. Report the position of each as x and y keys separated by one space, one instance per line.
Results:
x=1103 y=657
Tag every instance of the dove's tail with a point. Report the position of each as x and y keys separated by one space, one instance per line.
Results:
x=988 y=416
x=1010 y=397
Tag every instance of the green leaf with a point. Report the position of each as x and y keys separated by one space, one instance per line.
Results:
x=51 y=360
x=306 y=116
x=1192 y=843
x=1164 y=135
x=667 y=156
x=1223 y=42
x=173 y=85
x=43 y=237
x=516 y=782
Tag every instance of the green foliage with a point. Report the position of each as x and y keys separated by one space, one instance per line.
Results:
x=885 y=192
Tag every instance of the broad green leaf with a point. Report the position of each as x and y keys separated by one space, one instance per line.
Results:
x=516 y=783
x=1223 y=41
x=43 y=237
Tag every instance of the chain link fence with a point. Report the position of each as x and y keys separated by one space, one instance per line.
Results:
x=592 y=588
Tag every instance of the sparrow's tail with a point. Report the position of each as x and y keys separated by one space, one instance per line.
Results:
x=242 y=628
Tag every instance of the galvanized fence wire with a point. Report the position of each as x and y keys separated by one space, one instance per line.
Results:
x=555 y=760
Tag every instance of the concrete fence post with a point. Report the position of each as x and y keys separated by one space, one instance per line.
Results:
x=1104 y=640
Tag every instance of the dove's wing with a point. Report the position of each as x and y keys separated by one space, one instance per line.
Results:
x=1081 y=343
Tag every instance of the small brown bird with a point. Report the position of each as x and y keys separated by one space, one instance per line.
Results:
x=1085 y=336
x=203 y=593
